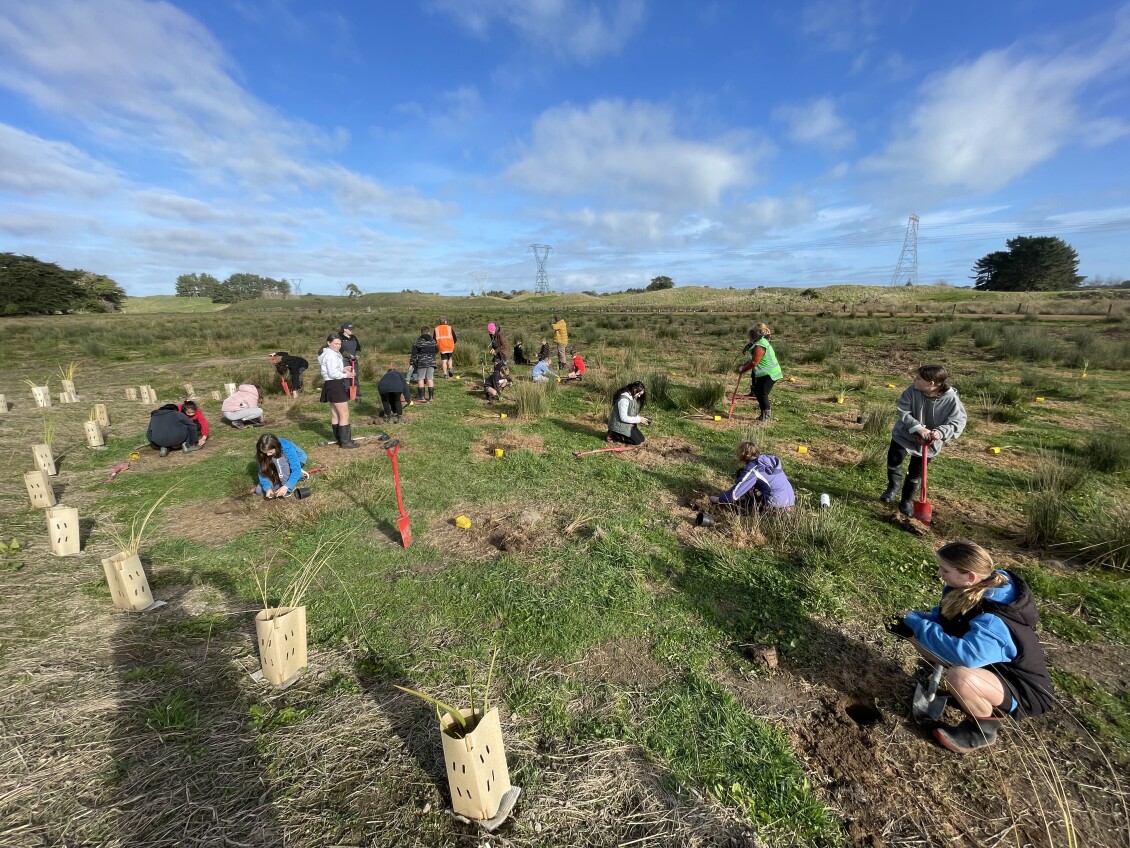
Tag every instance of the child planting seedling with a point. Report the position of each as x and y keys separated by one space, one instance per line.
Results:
x=761 y=483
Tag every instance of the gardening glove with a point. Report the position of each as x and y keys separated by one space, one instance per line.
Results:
x=897 y=626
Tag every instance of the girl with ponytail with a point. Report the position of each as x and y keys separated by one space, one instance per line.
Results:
x=983 y=631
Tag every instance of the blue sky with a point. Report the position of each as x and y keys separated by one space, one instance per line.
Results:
x=428 y=144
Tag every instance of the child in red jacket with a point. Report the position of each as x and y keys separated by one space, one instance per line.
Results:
x=194 y=412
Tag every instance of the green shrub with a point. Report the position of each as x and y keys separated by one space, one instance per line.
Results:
x=1102 y=537
x=1107 y=452
x=1044 y=514
x=659 y=394
x=986 y=335
x=532 y=400
x=1027 y=344
x=939 y=335
x=705 y=396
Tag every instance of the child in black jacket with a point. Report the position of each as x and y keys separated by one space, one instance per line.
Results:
x=393 y=388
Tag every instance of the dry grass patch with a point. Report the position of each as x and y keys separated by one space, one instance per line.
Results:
x=507 y=440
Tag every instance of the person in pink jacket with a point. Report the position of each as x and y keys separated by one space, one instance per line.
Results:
x=242 y=408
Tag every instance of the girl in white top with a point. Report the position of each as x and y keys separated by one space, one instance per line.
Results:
x=336 y=376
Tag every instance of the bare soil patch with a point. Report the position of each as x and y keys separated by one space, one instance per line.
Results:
x=624 y=662
x=506 y=440
x=511 y=527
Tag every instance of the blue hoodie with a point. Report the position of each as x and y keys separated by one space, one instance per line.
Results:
x=295 y=458
x=988 y=640
x=766 y=475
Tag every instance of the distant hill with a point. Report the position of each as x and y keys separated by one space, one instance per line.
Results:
x=169 y=303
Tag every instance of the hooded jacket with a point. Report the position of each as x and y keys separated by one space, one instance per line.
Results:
x=424 y=352
x=245 y=397
x=295 y=459
x=767 y=476
x=999 y=634
x=916 y=409
x=169 y=427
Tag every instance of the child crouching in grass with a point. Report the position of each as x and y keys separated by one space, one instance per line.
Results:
x=280 y=466
x=761 y=483
x=983 y=631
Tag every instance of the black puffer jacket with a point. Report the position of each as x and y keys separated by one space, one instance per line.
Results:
x=424 y=352
x=169 y=427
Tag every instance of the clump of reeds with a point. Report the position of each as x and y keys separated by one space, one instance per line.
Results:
x=68 y=371
x=659 y=394
x=705 y=396
x=295 y=591
x=1108 y=452
x=131 y=544
x=532 y=400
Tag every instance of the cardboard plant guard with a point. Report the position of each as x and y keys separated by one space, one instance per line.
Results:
x=94 y=437
x=62 y=525
x=281 y=632
x=44 y=459
x=39 y=489
x=101 y=415
x=128 y=584
x=42 y=395
x=475 y=761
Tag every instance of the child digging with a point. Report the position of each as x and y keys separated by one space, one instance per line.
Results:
x=280 y=466
x=760 y=484
x=393 y=388
x=983 y=632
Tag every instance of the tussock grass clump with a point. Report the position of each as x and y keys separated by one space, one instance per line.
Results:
x=995 y=401
x=940 y=334
x=1107 y=452
x=1027 y=344
x=1046 y=509
x=532 y=400
x=829 y=346
x=659 y=391
x=1102 y=537
x=706 y=396
x=878 y=418
x=986 y=335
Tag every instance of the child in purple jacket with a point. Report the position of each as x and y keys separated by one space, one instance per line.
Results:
x=761 y=482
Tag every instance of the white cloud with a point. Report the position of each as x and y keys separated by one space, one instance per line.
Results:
x=33 y=165
x=816 y=123
x=148 y=76
x=983 y=124
x=843 y=25
x=580 y=30
x=629 y=152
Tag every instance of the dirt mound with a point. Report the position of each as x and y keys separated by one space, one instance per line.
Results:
x=509 y=528
x=506 y=441
x=663 y=450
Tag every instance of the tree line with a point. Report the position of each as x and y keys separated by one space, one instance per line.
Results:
x=29 y=286
x=235 y=288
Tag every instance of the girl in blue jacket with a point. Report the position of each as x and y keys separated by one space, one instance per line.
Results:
x=983 y=631
x=280 y=466
x=761 y=482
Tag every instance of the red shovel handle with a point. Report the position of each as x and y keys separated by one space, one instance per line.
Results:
x=391 y=449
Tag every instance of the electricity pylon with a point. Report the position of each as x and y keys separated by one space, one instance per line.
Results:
x=541 y=254
x=481 y=278
x=907 y=267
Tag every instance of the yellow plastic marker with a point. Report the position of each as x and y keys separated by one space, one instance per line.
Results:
x=457 y=377
x=717 y=417
x=1039 y=400
x=839 y=400
x=890 y=385
x=994 y=450
x=135 y=455
x=558 y=379
x=463 y=522
x=502 y=415
x=792 y=379
x=801 y=449
x=499 y=451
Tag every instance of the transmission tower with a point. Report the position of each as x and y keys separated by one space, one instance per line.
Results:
x=481 y=278
x=541 y=254
x=907 y=267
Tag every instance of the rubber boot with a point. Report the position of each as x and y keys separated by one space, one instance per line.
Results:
x=345 y=436
x=765 y=416
x=909 y=493
x=337 y=433
x=971 y=734
x=431 y=393
x=894 y=480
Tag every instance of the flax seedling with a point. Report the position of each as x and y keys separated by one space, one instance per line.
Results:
x=67 y=373
x=131 y=544
x=456 y=714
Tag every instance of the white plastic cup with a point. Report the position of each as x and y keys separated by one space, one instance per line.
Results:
x=825 y=500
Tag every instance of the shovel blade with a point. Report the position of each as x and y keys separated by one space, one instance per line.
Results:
x=924 y=512
x=405 y=528
x=927 y=704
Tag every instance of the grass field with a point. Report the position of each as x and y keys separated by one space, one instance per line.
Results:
x=634 y=709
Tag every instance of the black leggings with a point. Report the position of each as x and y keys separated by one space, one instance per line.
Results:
x=296 y=377
x=761 y=387
x=896 y=454
x=391 y=402
x=635 y=439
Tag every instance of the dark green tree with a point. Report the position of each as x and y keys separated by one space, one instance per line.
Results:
x=197 y=285
x=1031 y=263
x=100 y=293
x=31 y=287
x=660 y=283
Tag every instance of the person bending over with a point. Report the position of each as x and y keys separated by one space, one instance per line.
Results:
x=541 y=372
x=393 y=388
x=625 y=418
x=498 y=380
x=169 y=429
x=983 y=632
x=242 y=407
x=760 y=484
x=196 y=414
x=290 y=366
x=280 y=466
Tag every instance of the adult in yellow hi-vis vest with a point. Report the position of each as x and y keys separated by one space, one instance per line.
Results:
x=766 y=369
x=445 y=341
